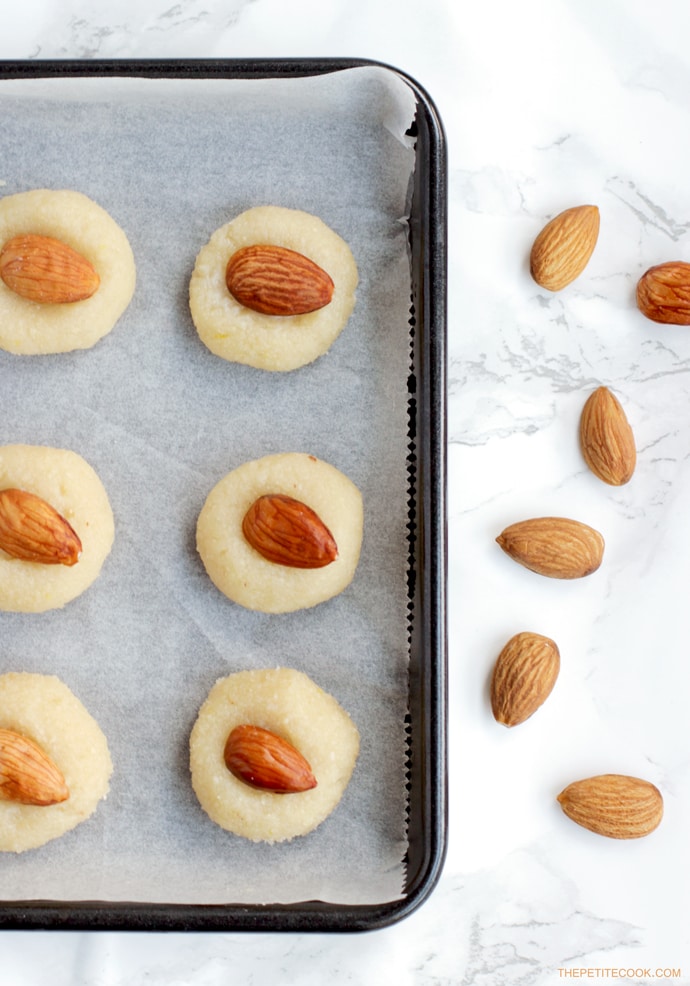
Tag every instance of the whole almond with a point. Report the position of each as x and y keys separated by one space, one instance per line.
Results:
x=606 y=438
x=523 y=677
x=265 y=760
x=32 y=530
x=276 y=281
x=27 y=774
x=557 y=547
x=46 y=270
x=615 y=805
x=288 y=532
x=562 y=249
x=663 y=293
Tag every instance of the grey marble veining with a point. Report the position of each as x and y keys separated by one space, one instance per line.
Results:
x=546 y=104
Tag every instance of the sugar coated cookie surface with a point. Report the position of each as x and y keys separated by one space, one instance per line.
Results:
x=288 y=703
x=71 y=486
x=30 y=327
x=247 y=577
x=43 y=709
x=271 y=342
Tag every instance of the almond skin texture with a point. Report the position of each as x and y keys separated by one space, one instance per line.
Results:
x=276 y=281
x=562 y=250
x=288 y=532
x=264 y=760
x=556 y=547
x=523 y=677
x=46 y=270
x=663 y=293
x=27 y=774
x=606 y=438
x=32 y=530
x=614 y=805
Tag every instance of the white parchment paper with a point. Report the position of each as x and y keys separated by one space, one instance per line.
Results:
x=162 y=420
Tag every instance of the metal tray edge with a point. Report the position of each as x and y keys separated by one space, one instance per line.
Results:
x=429 y=248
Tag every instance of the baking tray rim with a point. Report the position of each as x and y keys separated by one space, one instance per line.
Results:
x=428 y=239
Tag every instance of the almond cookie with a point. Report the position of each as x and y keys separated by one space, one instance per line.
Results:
x=281 y=533
x=290 y=706
x=269 y=336
x=56 y=527
x=51 y=244
x=43 y=723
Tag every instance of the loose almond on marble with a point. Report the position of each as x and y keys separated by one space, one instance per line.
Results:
x=274 y=280
x=264 y=760
x=557 y=547
x=663 y=293
x=524 y=675
x=46 y=270
x=32 y=530
x=286 y=531
x=563 y=248
x=615 y=805
x=606 y=438
x=27 y=774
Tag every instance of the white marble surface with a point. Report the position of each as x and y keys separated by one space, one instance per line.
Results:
x=547 y=104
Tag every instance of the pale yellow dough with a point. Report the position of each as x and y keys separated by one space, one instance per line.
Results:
x=271 y=342
x=31 y=328
x=42 y=708
x=69 y=484
x=290 y=704
x=244 y=575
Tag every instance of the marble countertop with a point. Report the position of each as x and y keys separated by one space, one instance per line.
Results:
x=546 y=104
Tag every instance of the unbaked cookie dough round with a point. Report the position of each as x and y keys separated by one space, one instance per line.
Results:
x=271 y=342
x=286 y=702
x=29 y=327
x=42 y=708
x=240 y=571
x=71 y=486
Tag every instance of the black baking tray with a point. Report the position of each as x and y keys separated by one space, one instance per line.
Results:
x=427 y=781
